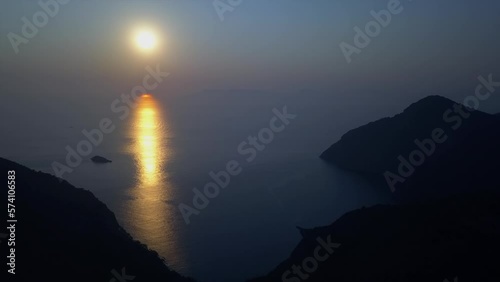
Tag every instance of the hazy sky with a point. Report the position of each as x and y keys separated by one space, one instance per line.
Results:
x=431 y=47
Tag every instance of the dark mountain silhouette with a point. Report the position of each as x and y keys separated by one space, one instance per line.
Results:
x=466 y=159
x=448 y=216
x=66 y=234
x=447 y=238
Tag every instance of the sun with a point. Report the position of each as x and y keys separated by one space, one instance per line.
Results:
x=146 y=40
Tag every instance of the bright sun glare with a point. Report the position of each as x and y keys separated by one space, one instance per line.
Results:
x=146 y=40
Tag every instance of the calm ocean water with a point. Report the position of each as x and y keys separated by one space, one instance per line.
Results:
x=167 y=147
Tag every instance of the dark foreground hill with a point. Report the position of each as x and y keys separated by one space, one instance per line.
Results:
x=442 y=239
x=435 y=147
x=65 y=233
x=450 y=222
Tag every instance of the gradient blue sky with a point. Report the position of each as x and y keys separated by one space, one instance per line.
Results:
x=432 y=47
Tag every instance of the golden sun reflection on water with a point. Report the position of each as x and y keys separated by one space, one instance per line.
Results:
x=149 y=211
x=149 y=149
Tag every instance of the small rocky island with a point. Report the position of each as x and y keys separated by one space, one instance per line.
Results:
x=100 y=160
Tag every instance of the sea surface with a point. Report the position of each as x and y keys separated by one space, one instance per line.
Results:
x=167 y=146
